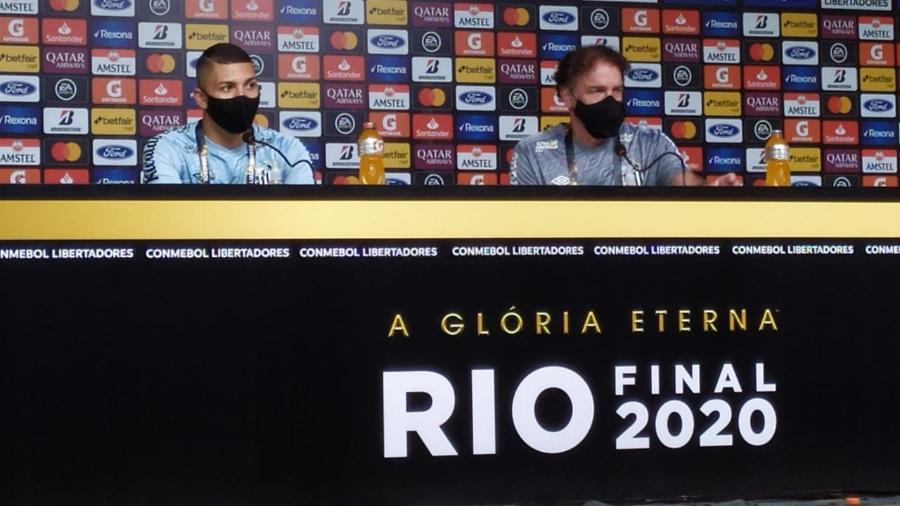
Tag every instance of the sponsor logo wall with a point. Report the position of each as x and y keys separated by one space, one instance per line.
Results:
x=452 y=86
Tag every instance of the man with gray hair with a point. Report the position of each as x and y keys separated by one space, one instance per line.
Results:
x=596 y=148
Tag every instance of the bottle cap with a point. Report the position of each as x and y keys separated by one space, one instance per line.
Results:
x=369 y=124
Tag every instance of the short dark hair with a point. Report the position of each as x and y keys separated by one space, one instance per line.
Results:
x=583 y=59
x=221 y=53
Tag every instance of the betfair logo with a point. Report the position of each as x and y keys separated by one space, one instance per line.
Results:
x=113 y=121
x=200 y=37
x=387 y=12
x=20 y=59
x=878 y=79
x=476 y=70
x=299 y=95
x=722 y=103
x=641 y=49
x=799 y=25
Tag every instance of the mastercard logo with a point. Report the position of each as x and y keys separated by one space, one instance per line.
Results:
x=160 y=63
x=65 y=151
x=344 y=40
x=64 y=5
x=840 y=105
x=762 y=51
x=684 y=130
x=516 y=16
x=261 y=121
x=432 y=97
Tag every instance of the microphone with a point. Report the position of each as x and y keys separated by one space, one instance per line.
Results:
x=621 y=151
x=249 y=138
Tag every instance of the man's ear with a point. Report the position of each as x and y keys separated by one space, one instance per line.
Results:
x=566 y=96
x=199 y=97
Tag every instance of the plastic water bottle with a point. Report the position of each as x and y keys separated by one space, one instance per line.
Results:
x=371 y=155
x=778 y=155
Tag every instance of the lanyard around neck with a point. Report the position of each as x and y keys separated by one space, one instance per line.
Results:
x=573 y=168
x=203 y=152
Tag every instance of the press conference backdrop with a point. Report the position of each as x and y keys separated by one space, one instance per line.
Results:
x=452 y=86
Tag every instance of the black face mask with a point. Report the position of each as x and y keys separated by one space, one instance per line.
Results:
x=601 y=119
x=235 y=114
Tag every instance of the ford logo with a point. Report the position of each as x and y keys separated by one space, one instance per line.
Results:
x=115 y=152
x=17 y=88
x=302 y=124
x=388 y=41
x=723 y=130
x=801 y=53
x=558 y=18
x=803 y=183
x=476 y=98
x=877 y=105
x=643 y=75
x=113 y=5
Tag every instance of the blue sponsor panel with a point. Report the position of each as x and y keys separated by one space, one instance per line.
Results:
x=19 y=119
x=721 y=24
x=19 y=89
x=800 y=78
x=476 y=127
x=721 y=160
x=555 y=46
x=113 y=34
x=643 y=102
x=878 y=133
x=306 y=12
x=388 y=69
x=115 y=175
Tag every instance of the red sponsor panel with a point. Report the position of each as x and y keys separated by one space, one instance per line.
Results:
x=160 y=92
x=432 y=126
x=343 y=68
x=640 y=20
x=64 y=32
x=298 y=67
x=802 y=130
x=476 y=178
x=517 y=45
x=18 y=30
x=879 y=181
x=722 y=77
x=840 y=132
x=113 y=91
x=693 y=157
x=474 y=43
x=680 y=22
x=20 y=175
x=252 y=10
x=550 y=101
x=762 y=77
x=876 y=54
x=67 y=175
x=391 y=125
x=206 y=9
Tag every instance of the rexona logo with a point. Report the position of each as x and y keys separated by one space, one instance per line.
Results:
x=122 y=152
x=555 y=17
x=298 y=39
x=644 y=75
x=879 y=161
x=721 y=51
x=878 y=133
x=388 y=41
x=724 y=160
x=113 y=34
x=684 y=103
x=800 y=78
x=469 y=15
x=476 y=157
x=876 y=28
x=761 y=24
x=721 y=24
x=389 y=97
x=16 y=88
x=724 y=131
x=388 y=69
x=800 y=53
x=878 y=105
x=640 y=102
x=300 y=124
x=802 y=105
x=476 y=127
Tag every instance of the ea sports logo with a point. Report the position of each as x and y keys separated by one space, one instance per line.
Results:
x=599 y=19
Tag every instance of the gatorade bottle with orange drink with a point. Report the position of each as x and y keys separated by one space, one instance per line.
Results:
x=371 y=155
x=778 y=172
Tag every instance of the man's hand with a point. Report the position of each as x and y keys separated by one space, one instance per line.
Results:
x=729 y=179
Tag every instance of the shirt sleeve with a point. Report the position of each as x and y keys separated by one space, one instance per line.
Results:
x=668 y=169
x=522 y=168
x=301 y=173
x=162 y=163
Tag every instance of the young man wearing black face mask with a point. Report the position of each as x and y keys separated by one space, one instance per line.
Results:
x=596 y=148
x=225 y=146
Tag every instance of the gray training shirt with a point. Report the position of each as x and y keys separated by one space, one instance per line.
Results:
x=541 y=159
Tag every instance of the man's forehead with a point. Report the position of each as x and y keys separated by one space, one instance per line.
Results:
x=232 y=71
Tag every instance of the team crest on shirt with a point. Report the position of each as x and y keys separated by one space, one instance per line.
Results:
x=542 y=146
x=560 y=180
